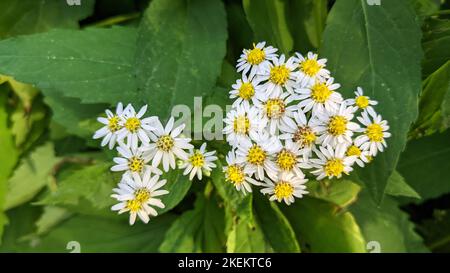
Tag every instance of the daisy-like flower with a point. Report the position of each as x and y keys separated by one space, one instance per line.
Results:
x=112 y=126
x=362 y=157
x=311 y=69
x=257 y=157
x=289 y=159
x=278 y=75
x=362 y=102
x=136 y=195
x=237 y=175
x=132 y=160
x=287 y=186
x=332 y=162
x=134 y=127
x=374 y=133
x=320 y=96
x=255 y=59
x=199 y=160
x=301 y=132
x=245 y=91
x=167 y=143
x=242 y=123
x=335 y=127
x=275 y=110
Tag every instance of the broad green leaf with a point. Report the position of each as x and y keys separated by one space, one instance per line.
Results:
x=94 y=65
x=340 y=192
x=436 y=38
x=425 y=165
x=425 y=7
x=178 y=186
x=387 y=226
x=397 y=186
x=32 y=174
x=267 y=18
x=436 y=231
x=275 y=226
x=30 y=16
x=322 y=227
x=25 y=92
x=51 y=217
x=239 y=31
x=179 y=52
x=378 y=48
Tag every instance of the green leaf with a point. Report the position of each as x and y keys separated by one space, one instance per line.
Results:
x=51 y=217
x=425 y=7
x=322 y=227
x=178 y=186
x=387 y=226
x=378 y=48
x=275 y=225
x=436 y=38
x=179 y=52
x=436 y=231
x=397 y=186
x=32 y=174
x=267 y=18
x=25 y=92
x=340 y=192
x=425 y=165
x=30 y=16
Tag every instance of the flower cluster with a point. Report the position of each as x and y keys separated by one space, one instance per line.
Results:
x=288 y=116
x=143 y=146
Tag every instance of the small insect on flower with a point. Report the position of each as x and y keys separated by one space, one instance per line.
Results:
x=275 y=110
x=136 y=195
x=255 y=59
x=245 y=91
x=311 y=69
x=112 y=126
x=132 y=161
x=320 y=97
x=199 y=160
x=278 y=75
x=237 y=175
x=167 y=143
x=241 y=124
x=134 y=127
x=286 y=187
x=332 y=162
x=362 y=102
x=374 y=133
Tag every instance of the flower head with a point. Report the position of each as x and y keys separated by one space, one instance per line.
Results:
x=199 y=160
x=134 y=127
x=241 y=124
x=287 y=186
x=256 y=59
x=278 y=75
x=311 y=69
x=362 y=102
x=237 y=175
x=132 y=161
x=245 y=91
x=112 y=124
x=320 y=97
x=332 y=162
x=375 y=132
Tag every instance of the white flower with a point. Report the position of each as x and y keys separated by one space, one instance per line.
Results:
x=362 y=157
x=112 y=126
x=245 y=91
x=277 y=76
x=311 y=69
x=335 y=127
x=287 y=186
x=289 y=159
x=134 y=127
x=255 y=59
x=199 y=160
x=276 y=111
x=332 y=162
x=257 y=156
x=241 y=124
x=237 y=175
x=137 y=195
x=132 y=161
x=302 y=132
x=362 y=102
x=167 y=143
x=319 y=97
x=374 y=133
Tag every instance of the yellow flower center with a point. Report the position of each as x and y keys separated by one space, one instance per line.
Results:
x=275 y=108
x=241 y=125
x=113 y=124
x=320 y=92
x=283 y=189
x=197 y=159
x=286 y=160
x=256 y=155
x=362 y=101
x=279 y=74
x=304 y=136
x=334 y=167
x=133 y=205
x=310 y=67
x=235 y=174
x=353 y=151
x=142 y=195
x=337 y=125
x=369 y=158
x=246 y=91
x=133 y=124
x=375 y=132
x=165 y=143
x=135 y=164
x=255 y=56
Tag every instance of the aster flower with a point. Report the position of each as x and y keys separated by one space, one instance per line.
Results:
x=112 y=126
x=320 y=97
x=199 y=160
x=255 y=59
x=285 y=188
x=241 y=124
x=374 y=134
x=332 y=162
x=311 y=69
x=237 y=175
x=362 y=102
x=134 y=127
x=245 y=91
x=279 y=75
